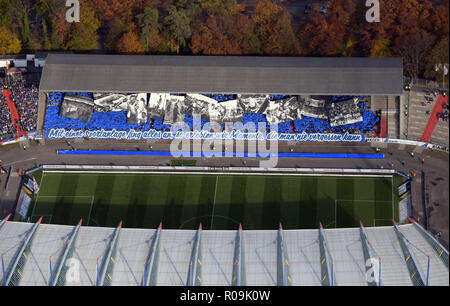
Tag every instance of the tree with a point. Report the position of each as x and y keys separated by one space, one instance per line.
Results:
x=273 y=26
x=209 y=38
x=414 y=50
x=47 y=44
x=148 y=23
x=176 y=27
x=381 y=48
x=79 y=36
x=130 y=44
x=157 y=43
x=332 y=34
x=9 y=42
x=115 y=32
x=113 y=9
x=5 y=13
x=54 y=37
x=211 y=7
x=438 y=55
x=21 y=10
x=223 y=34
x=400 y=20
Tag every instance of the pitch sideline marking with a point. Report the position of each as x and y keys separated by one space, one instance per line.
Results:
x=392 y=197
x=214 y=202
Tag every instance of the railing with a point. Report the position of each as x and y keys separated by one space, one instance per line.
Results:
x=342 y=171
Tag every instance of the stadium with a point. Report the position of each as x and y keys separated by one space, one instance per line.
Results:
x=106 y=199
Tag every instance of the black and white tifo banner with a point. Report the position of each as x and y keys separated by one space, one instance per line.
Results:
x=202 y=135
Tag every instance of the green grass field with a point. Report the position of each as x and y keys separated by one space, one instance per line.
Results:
x=219 y=202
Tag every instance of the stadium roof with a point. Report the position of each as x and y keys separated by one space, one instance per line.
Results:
x=108 y=256
x=222 y=74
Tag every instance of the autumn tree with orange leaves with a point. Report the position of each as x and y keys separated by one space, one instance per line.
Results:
x=79 y=36
x=224 y=34
x=273 y=26
x=130 y=44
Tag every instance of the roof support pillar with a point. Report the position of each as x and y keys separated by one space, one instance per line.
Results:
x=283 y=275
x=414 y=272
x=15 y=274
x=62 y=265
x=195 y=264
x=3 y=222
x=109 y=260
x=238 y=278
x=326 y=261
x=151 y=264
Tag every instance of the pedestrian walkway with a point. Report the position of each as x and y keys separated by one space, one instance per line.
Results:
x=433 y=120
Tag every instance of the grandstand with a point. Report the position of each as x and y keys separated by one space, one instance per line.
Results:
x=86 y=75
x=56 y=255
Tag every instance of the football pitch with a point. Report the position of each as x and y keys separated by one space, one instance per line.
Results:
x=218 y=201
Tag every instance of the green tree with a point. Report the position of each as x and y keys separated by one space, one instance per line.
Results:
x=22 y=10
x=148 y=23
x=216 y=6
x=5 y=13
x=176 y=28
x=26 y=37
x=54 y=38
x=47 y=45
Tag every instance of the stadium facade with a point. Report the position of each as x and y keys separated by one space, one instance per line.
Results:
x=54 y=255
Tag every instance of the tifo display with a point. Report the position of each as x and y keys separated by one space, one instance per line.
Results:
x=160 y=111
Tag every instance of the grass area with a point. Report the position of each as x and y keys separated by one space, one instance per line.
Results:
x=219 y=201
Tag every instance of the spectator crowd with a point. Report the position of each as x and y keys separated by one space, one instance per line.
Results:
x=444 y=114
x=118 y=119
x=25 y=97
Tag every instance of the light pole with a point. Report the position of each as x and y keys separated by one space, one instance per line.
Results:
x=444 y=68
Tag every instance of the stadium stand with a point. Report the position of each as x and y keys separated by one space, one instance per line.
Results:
x=20 y=114
x=146 y=257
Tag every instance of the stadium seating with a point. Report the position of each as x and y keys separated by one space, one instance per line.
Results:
x=118 y=120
